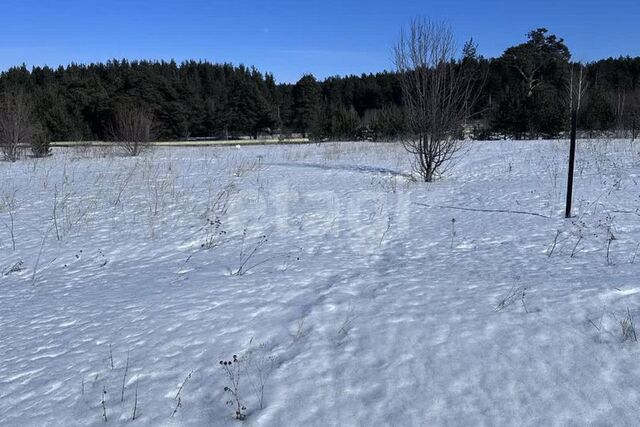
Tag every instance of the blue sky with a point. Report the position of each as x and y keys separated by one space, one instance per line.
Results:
x=290 y=38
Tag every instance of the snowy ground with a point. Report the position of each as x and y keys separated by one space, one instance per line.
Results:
x=351 y=295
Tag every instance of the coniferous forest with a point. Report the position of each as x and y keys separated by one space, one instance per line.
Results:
x=524 y=95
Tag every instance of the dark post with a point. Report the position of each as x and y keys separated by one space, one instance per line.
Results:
x=633 y=128
x=572 y=158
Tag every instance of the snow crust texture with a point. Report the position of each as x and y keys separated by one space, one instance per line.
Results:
x=350 y=294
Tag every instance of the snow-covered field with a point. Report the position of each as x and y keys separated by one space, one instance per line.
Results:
x=350 y=294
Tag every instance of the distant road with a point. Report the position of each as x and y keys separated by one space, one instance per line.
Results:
x=204 y=143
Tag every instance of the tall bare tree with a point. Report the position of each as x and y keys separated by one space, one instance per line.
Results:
x=634 y=118
x=133 y=128
x=439 y=93
x=17 y=123
x=577 y=86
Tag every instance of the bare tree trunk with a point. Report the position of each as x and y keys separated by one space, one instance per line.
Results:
x=620 y=110
x=635 y=112
x=438 y=92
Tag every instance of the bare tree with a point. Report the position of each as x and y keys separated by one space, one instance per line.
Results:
x=577 y=86
x=632 y=119
x=132 y=128
x=17 y=124
x=439 y=93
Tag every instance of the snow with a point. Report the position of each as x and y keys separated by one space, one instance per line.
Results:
x=347 y=290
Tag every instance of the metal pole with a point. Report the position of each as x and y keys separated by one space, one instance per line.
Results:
x=572 y=158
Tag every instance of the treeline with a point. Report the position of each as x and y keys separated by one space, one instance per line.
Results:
x=525 y=94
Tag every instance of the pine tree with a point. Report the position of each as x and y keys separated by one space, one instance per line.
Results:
x=306 y=95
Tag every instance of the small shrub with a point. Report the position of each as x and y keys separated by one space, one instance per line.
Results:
x=515 y=294
x=15 y=268
x=244 y=266
x=259 y=366
x=178 y=397
x=214 y=233
x=103 y=404
x=233 y=370
x=41 y=145
x=628 y=328
x=610 y=239
x=133 y=128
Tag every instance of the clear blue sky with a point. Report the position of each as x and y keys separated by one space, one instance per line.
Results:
x=292 y=37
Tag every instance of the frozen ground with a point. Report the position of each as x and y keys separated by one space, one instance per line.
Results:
x=352 y=295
